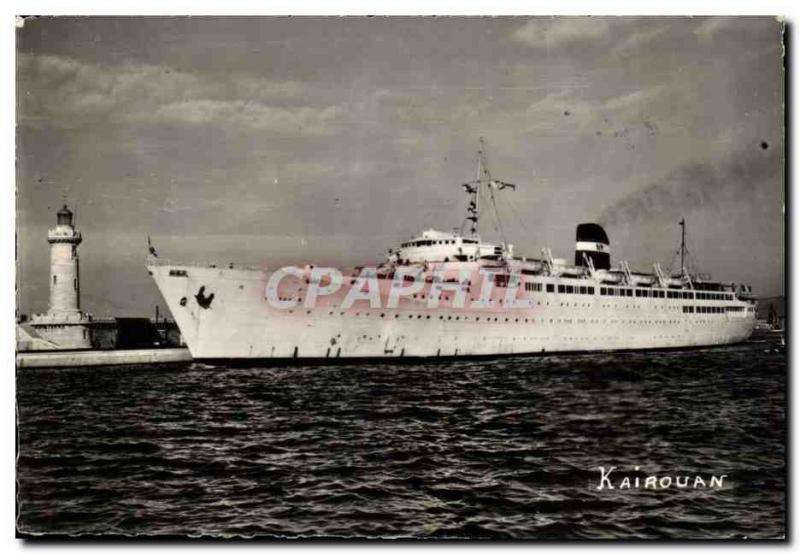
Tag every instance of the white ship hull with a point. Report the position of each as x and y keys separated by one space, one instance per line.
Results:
x=239 y=323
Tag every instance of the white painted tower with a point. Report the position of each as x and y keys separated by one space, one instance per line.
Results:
x=64 y=285
x=64 y=324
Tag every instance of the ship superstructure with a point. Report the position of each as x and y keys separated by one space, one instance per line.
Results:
x=452 y=294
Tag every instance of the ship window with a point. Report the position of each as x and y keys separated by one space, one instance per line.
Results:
x=583 y=290
x=501 y=280
x=570 y=289
x=550 y=287
x=602 y=291
x=591 y=290
x=54 y=279
x=561 y=288
x=629 y=292
x=638 y=293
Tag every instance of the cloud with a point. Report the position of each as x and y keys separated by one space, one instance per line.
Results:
x=710 y=26
x=638 y=38
x=574 y=108
x=554 y=32
x=253 y=115
x=612 y=35
x=63 y=92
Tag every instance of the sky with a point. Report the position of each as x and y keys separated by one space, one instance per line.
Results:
x=269 y=141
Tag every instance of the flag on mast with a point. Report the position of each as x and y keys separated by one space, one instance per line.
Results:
x=151 y=248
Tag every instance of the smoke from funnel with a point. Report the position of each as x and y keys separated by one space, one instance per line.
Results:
x=698 y=185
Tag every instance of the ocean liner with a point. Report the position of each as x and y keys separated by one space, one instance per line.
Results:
x=452 y=294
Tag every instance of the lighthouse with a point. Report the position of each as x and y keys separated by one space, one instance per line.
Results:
x=64 y=325
x=64 y=280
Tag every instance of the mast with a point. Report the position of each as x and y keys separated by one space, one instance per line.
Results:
x=682 y=223
x=473 y=190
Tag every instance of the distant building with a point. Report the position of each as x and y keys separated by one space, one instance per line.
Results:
x=64 y=326
x=772 y=312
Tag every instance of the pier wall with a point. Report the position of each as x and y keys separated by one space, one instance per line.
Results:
x=87 y=358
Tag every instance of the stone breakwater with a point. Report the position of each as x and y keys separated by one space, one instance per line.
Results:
x=88 y=358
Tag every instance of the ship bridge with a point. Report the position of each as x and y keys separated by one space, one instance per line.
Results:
x=441 y=246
